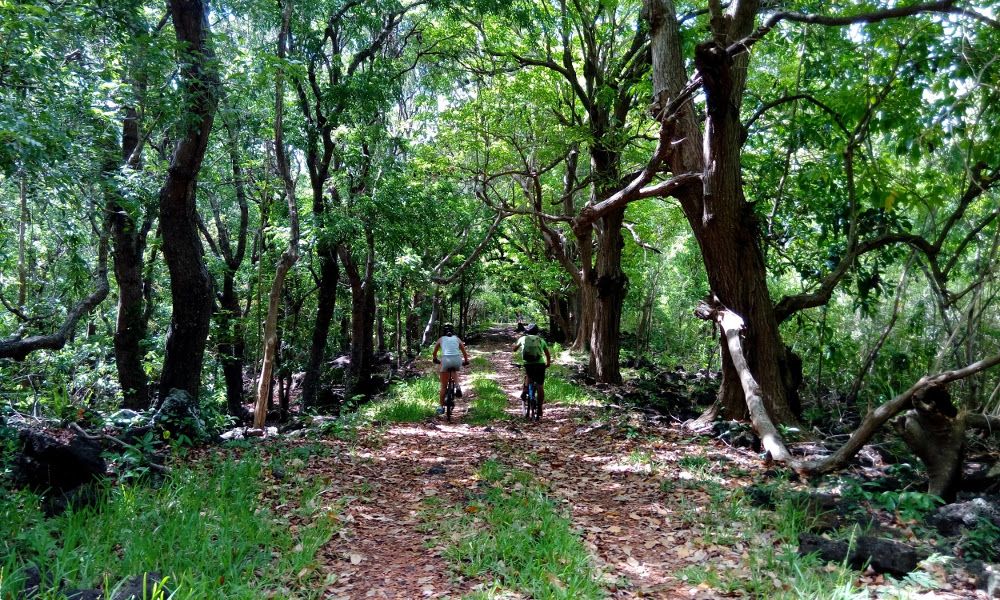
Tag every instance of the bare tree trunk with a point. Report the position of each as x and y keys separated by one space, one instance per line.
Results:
x=362 y=316
x=190 y=282
x=291 y=255
x=22 y=228
x=732 y=325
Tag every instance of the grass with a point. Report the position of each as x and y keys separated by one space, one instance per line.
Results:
x=489 y=404
x=406 y=402
x=560 y=391
x=517 y=538
x=773 y=569
x=205 y=529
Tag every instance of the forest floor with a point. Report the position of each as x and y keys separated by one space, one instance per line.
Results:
x=618 y=508
x=655 y=509
x=647 y=500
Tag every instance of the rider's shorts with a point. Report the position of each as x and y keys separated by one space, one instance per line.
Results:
x=536 y=372
x=451 y=363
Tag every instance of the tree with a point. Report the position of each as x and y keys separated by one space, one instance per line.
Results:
x=190 y=282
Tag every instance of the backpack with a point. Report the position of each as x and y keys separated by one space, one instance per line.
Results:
x=532 y=350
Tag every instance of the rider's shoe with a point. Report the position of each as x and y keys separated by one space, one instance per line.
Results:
x=458 y=392
x=524 y=395
x=440 y=410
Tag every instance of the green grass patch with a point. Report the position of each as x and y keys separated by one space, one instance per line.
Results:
x=489 y=404
x=407 y=402
x=517 y=537
x=205 y=529
x=560 y=391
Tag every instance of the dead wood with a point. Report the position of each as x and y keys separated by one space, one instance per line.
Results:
x=732 y=324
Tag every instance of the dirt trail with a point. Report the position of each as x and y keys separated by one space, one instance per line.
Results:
x=615 y=504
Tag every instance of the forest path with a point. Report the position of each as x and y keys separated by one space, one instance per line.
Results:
x=606 y=481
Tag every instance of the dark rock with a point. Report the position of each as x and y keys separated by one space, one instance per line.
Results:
x=883 y=555
x=437 y=470
x=179 y=414
x=761 y=497
x=58 y=461
x=736 y=434
x=140 y=587
x=135 y=434
x=77 y=498
x=34 y=582
x=125 y=418
x=950 y=519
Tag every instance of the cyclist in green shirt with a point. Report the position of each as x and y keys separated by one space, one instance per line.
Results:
x=532 y=348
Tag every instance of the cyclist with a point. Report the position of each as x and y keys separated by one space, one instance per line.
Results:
x=453 y=356
x=532 y=346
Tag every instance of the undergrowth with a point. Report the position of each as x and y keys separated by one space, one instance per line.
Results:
x=515 y=537
x=205 y=529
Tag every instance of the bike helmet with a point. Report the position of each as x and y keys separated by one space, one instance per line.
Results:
x=531 y=329
x=448 y=328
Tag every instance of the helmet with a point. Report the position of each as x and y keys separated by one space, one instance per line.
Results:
x=531 y=329
x=448 y=328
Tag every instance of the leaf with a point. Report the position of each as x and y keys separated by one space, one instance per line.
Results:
x=356 y=558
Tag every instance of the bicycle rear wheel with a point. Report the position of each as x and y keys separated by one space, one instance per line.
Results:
x=449 y=397
x=529 y=406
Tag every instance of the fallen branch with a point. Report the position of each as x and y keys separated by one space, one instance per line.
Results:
x=103 y=436
x=878 y=417
x=732 y=324
x=19 y=349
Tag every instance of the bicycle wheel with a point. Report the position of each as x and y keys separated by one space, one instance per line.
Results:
x=529 y=406
x=449 y=399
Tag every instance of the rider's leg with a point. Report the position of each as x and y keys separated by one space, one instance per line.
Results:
x=540 y=394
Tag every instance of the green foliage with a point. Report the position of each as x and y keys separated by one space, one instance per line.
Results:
x=981 y=542
x=408 y=402
x=204 y=528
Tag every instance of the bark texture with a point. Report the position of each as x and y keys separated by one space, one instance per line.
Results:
x=190 y=282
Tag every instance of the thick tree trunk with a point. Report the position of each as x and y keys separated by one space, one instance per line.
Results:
x=413 y=320
x=610 y=287
x=362 y=317
x=729 y=237
x=190 y=282
x=329 y=278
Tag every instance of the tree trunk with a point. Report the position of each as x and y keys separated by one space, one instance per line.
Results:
x=609 y=296
x=22 y=229
x=190 y=282
x=290 y=255
x=128 y=240
x=329 y=277
x=362 y=317
x=413 y=320
x=729 y=237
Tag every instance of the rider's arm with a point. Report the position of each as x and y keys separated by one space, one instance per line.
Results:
x=437 y=347
x=548 y=357
x=461 y=346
